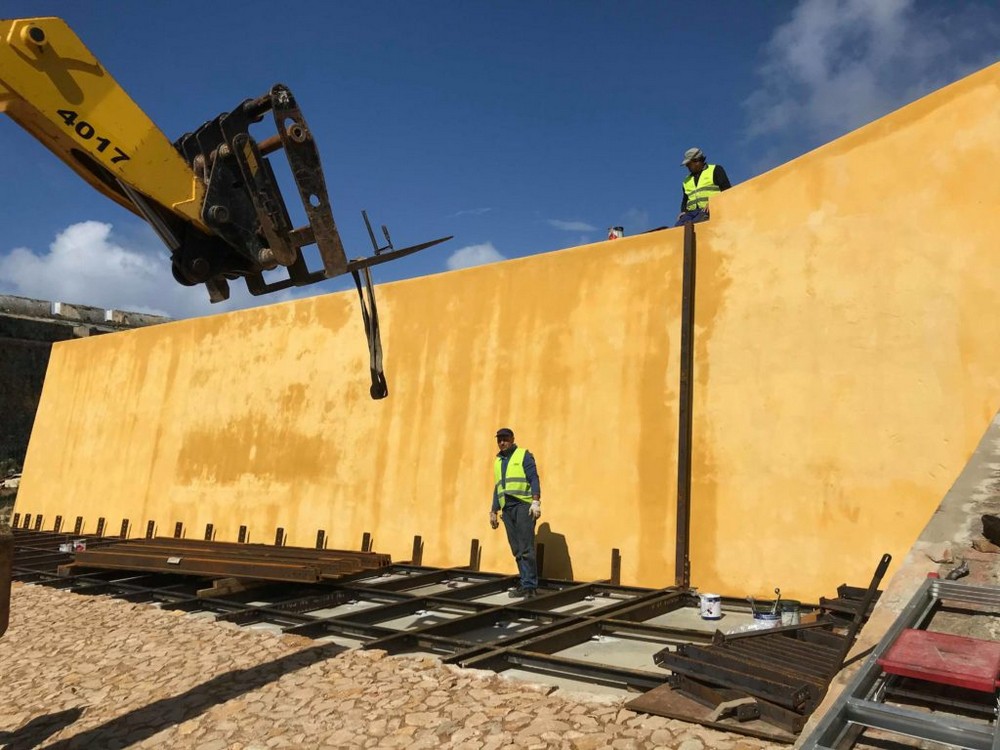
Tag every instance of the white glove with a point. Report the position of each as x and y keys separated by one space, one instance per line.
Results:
x=494 y=520
x=536 y=509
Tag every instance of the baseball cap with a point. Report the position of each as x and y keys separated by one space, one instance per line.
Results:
x=691 y=154
x=505 y=432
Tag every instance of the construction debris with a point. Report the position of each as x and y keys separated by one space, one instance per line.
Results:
x=922 y=684
x=764 y=683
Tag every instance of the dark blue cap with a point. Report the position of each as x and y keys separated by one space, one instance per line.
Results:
x=505 y=432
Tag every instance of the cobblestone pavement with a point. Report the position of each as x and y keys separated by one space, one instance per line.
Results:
x=95 y=672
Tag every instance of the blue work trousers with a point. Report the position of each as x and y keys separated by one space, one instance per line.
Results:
x=692 y=217
x=520 y=528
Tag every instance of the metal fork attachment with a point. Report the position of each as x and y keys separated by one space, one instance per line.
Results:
x=244 y=206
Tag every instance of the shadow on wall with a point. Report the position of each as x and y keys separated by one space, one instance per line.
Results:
x=556 y=562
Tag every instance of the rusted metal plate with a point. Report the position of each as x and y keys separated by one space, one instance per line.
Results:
x=665 y=701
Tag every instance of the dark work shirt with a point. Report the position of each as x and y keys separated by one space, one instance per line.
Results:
x=530 y=471
x=721 y=179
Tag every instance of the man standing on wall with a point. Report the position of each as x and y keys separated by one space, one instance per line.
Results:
x=703 y=181
x=517 y=493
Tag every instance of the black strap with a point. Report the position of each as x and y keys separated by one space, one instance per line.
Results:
x=379 y=388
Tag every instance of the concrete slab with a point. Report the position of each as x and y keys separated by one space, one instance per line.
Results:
x=620 y=650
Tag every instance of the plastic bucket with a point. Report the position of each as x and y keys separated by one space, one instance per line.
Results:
x=790 y=612
x=766 y=619
x=711 y=606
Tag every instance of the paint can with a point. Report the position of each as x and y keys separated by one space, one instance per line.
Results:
x=711 y=606
x=79 y=545
x=766 y=619
x=67 y=547
x=789 y=612
x=616 y=233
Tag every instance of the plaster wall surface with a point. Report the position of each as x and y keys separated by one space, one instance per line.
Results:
x=847 y=359
x=262 y=417
x=848 y=346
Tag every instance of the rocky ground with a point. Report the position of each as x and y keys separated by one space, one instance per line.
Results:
x=96 y=672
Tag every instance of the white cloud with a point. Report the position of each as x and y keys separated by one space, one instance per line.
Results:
x=87 y=264
x=474 y=255
x=470 y=212
x=571 y=226
x=838 y=64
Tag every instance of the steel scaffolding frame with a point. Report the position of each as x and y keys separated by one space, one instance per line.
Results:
x=862 y=705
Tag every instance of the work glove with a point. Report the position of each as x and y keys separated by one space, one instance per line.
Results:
x=536 y=509
x=494 y=519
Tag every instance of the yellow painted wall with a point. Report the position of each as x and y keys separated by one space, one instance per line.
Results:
x=847 y=361
x=262 y=417
x=848 y=349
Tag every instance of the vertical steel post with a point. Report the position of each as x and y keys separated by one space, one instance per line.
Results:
x=418 y=551
x=682 y=560
x=6 y=570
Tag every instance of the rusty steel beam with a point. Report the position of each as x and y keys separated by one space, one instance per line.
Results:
x=771 y=670
x=795 y=697
x=326 y=564
x=197 y=566
x=208 y=549
x=367 y=559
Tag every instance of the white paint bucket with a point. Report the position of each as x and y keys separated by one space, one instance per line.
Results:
x=766 y=619
x=711 y=606
x=790 y=612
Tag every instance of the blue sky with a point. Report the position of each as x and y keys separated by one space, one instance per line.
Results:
x=518 y=127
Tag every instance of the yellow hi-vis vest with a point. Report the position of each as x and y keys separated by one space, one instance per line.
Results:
x=698 y=195
x=515 y=483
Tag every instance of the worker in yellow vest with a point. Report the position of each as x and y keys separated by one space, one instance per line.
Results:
x=517 y=495
x=704 y=181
